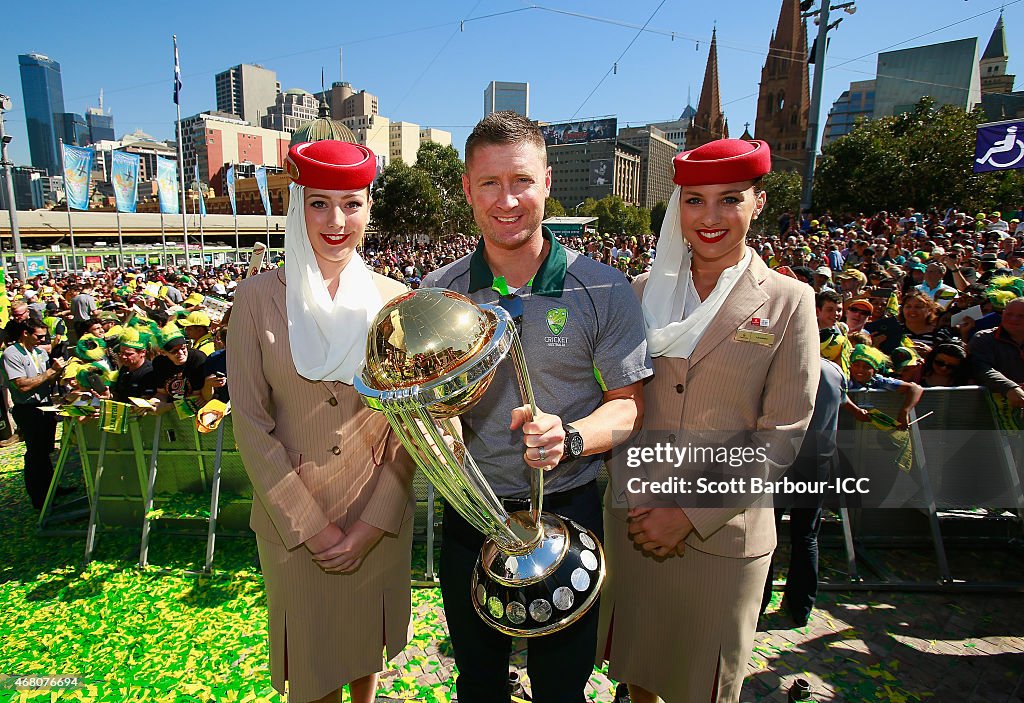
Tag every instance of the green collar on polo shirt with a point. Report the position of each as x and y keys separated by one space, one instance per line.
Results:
x=548 y=281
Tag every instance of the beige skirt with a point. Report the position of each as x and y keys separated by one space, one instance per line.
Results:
x=681 y=627
x=329 y=629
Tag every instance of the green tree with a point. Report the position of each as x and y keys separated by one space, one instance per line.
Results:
x=553 y=208
x=920 y=159
x=638 y=221
x=405 y=202
x=444 y=168
x=616 y=217
x=782 y=194
x=658 y=216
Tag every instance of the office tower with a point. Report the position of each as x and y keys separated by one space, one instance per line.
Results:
x=500 y=96
x=44 y=110
x=246 y=91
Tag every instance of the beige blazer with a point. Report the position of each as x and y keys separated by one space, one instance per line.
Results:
x=313 y=451
x=315 y=454
x=729 y=385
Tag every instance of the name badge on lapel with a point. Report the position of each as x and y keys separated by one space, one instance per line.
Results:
x=765 y=339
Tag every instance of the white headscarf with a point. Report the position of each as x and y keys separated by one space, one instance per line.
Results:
x=665 y=296
x=328 y=337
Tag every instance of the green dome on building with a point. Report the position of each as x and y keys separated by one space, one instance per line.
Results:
x=323 y=127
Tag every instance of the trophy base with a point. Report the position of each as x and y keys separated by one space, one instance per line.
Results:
x=544 y=590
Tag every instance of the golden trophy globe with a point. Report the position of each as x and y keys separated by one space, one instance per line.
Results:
x=430 y=356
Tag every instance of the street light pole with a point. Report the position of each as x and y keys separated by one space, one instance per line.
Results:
x=12 y=206
x=815 y=109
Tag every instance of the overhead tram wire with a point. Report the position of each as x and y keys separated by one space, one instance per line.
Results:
x=616 y=63
x=458 y=30
x=334 y=47
x=925 y=34
x=444 y=46
x=593 y=18
x=791 y=55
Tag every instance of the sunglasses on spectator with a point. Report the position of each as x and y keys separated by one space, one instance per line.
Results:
x=856 y=311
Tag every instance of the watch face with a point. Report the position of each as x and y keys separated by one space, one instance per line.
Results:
x=575 y=444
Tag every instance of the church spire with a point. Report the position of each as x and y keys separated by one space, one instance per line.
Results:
x=993 y=63
x=784 y=95
x=996 y=48
x=709 y=122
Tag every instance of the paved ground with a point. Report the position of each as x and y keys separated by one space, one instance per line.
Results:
x=877 y=645
x=860 y=645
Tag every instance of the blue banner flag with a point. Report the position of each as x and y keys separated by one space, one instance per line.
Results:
x=261 y=181
x=999 y=146
x=124 y=176
x=199 y=187
x=177 y=73
x=167 y=185
x=230 y=178
x=77 y=170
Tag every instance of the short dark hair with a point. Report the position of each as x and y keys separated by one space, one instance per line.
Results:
x=821 y=297
x=505 y=128
x=30 y=324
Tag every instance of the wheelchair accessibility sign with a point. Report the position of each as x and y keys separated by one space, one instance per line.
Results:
x=999 y=146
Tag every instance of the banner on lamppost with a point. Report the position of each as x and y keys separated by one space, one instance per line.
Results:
x=261 y=181
x=230 y=178
x=124 y=175
x=167 y=185
x=999 y=146
x=199 y=188
x=77 y=170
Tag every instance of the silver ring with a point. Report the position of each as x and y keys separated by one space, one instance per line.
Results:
x=542 y=454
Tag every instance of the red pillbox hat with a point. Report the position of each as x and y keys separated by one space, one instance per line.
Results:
x=722 y=161
x=331 y=165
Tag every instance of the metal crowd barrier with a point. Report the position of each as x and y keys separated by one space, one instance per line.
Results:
x=966 y=470
x=163 y=465
x=963 y=489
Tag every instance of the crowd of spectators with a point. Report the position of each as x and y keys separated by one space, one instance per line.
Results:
x=939 y=295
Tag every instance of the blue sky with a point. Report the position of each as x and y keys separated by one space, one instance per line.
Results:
x=428 y=68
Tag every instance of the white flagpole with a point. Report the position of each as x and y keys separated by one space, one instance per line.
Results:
x=181 y=153
x=120 y=240
x=67 y=201
x=202 y=235
x=163 y=236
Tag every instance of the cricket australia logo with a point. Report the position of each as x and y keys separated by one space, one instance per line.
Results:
x=556 y=318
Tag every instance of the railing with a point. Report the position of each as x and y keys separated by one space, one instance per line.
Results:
x=966 y=469
x=163 y=468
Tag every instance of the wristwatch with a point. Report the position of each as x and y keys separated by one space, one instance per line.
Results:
x=573 y=444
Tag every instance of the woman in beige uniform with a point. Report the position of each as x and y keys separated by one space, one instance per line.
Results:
x=331 y=487
x=735 y=349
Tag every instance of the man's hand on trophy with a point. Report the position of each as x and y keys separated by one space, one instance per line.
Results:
x=544 y=437
x=659 y=531
x=347 y=555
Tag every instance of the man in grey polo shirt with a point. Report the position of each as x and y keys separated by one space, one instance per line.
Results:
x=583 y=336
x=31 y=375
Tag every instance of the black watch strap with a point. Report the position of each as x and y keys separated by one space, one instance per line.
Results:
x=573 y=447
